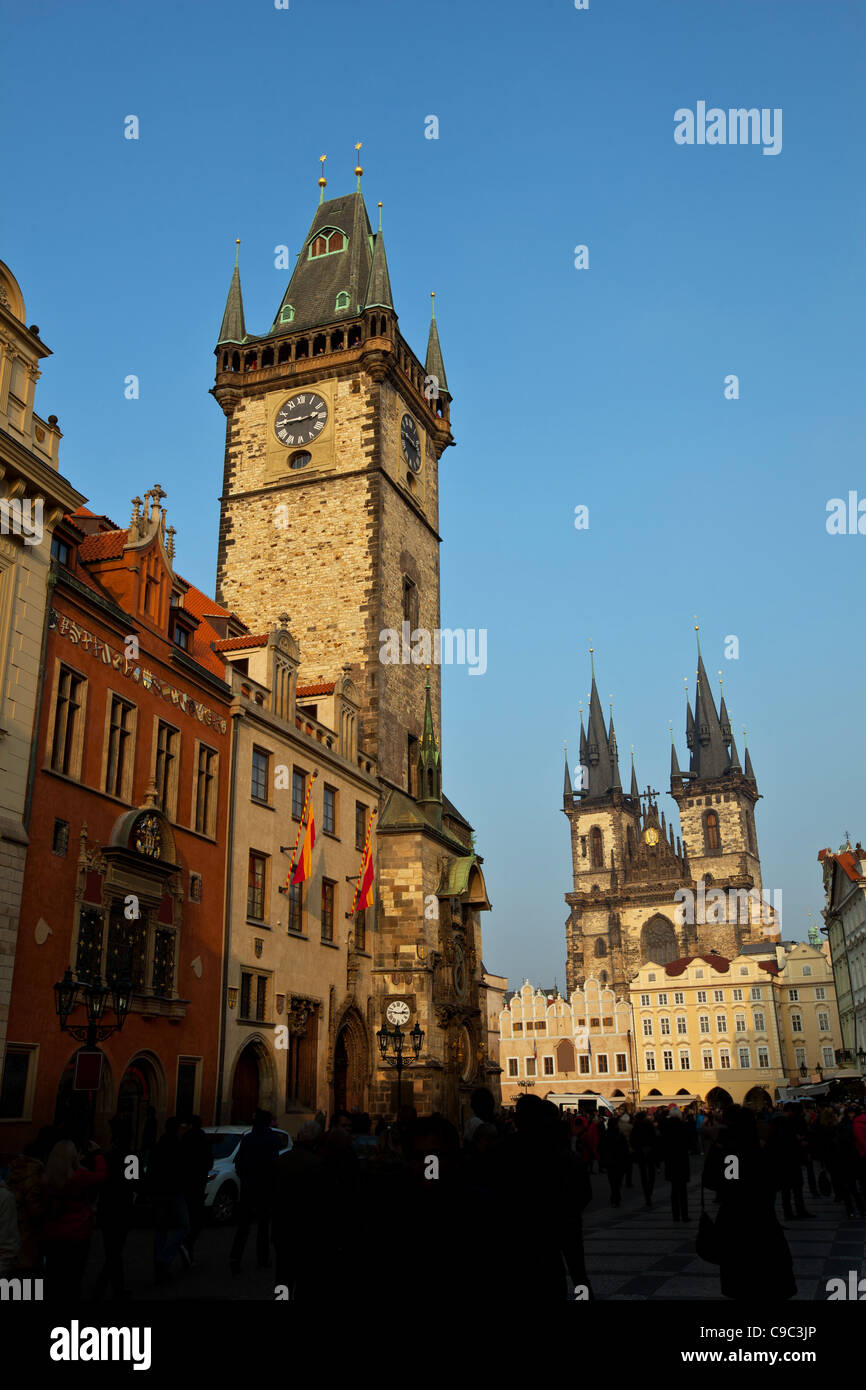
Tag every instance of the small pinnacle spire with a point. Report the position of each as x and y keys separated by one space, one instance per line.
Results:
x=380 y=216
x=323 y=182
x=358 y=170
x=433 y=298
x=592 y=660
x=698 y=636
x=237 y=250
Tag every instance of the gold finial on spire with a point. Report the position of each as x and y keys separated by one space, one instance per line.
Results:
x=592 y=660
x=721 y=680
x=698 y=632
x=433 y=297
x=322 y=180
x=237 y=250
x=358 y=170
x=380 y=217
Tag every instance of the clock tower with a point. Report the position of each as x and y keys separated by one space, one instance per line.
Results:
x=330 y=500
x=330 y=509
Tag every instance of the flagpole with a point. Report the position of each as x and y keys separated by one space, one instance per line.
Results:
x=292 y=866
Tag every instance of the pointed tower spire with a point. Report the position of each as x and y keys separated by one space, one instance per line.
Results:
x=710 y=754
x=598 y=750
x=232 y=329
x=734 y=763
x=433 y=364
x=615 y=783
x=429 y=764
x=724 y=721
x=567 y=792
x=635 y=793
x=379 y=285
x=748 y=769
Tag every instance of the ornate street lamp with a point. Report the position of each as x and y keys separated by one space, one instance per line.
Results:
x=68 y=994
x=65 y=992
x=394 y=1040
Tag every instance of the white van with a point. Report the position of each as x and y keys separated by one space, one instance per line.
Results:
x=585 y=1102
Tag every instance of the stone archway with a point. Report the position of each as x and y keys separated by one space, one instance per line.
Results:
x=349 y=1068
x=758 y=1099
x=719 y=1096
x=141 y=1099
x=253 y=1082
x=658 y=941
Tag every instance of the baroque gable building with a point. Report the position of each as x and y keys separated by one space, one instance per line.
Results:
x=640 y=891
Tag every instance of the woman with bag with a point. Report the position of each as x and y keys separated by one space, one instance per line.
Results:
x=753 y=1256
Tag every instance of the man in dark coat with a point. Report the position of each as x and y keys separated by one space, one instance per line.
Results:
x=257 y=1153
x=675 y=1143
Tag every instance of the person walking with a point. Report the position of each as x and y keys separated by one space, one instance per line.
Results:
x=645 y=1147
x=625 y=1128
x=613 y=1152
x=675 y=1141
x=24 y=1179
x=70 y=1188
x=114 y=1212
x=196 y=1155
x=755 y=1263
x=785 y=1150
x=165 y=1181
x=294 y=1207
x=256 y=1156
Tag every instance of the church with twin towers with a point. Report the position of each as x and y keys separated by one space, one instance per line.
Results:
x=640 y=891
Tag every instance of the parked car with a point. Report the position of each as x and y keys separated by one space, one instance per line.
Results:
x=223 y=1185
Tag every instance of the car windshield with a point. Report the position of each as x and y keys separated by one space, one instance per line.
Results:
x=224 y=1144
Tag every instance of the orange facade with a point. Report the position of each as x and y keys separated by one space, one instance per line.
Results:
x=125 y=870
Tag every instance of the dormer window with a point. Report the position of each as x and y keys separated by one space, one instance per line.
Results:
x=287 y=313
x=326 y=243
x=342 y=300
x=181 y=637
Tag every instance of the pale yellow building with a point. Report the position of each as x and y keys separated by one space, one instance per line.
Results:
x=555 y=1047
x=33 y=497
x=734 y=1030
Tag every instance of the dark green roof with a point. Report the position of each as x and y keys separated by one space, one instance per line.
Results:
x=233 y=330
x=433 y=364
x=315 y=284
x=379 y=289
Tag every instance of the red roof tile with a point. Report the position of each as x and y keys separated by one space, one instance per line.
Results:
x=105 y=545
x=237 y=644
x=676 y=967
x=770 y=966
x=319 y=688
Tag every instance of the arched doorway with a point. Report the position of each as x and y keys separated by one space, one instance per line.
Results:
x=81 y=1114
x=719 y=1096
x=350 y=1065
x=341 y=1073
x=245 y=1087
x=658 y=941
x=141 y=1100
x=758 y=1099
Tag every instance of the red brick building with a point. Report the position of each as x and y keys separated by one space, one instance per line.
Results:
x=125 y=871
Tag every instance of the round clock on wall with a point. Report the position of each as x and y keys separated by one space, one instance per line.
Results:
x=301 y=419
x=397 y=1012
x=411 y=443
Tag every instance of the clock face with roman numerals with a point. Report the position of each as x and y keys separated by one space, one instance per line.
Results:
x=411 y=443
x=301 y=419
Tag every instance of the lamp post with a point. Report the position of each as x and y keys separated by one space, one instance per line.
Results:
x=393 y=1040
x=69 y=993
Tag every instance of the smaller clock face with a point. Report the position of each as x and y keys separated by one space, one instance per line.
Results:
x=301 y=419
x=652 y=836
x=411 y=443
x=398 y=1012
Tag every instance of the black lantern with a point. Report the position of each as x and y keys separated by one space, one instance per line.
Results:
x=96 y=998
x=417 y=1036
x=122 y=999
x=383 y=1037
x=65 y=992
x=803 y=1071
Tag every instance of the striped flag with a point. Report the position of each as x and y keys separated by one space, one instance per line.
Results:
x=364 y=888
x=305 y=858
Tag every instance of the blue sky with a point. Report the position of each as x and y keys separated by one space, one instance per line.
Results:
x=602 y=387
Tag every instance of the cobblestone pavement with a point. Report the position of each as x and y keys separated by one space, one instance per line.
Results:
x=632 y=1253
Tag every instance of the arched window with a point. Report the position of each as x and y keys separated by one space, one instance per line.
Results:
x=319 y=344
x=658 y=941
x=284 y=353
x=750 y=831
x=302 y=348
x=236 y=361
x=326 y=242
x=225 y=361
x=287 y=313
x=383 y=325
x=565 y=1056
x=319 y=246
x=600 y=946
x=372 y=325
x=268 y=357
x=596 y=848
x=354 y=335
x=629 y=835
x=342 y=300
x=337 y=340
x=711 y=832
